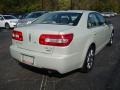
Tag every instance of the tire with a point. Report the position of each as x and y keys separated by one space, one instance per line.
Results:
x=89 y=60
x=111 y=39
x=7 y=26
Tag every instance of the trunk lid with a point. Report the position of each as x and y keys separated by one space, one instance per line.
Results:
x=32 y=33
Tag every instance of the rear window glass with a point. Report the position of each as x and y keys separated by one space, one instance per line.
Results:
x=60 y=18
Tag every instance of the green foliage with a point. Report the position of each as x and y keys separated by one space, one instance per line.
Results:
x=64 y=4
x=21 y=6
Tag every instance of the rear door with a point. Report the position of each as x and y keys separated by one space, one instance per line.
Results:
x=98 y=31
x=104 y=26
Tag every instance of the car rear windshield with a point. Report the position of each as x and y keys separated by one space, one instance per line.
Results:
x=9 y=17
x=60 y=18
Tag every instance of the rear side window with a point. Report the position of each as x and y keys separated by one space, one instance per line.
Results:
x=100 y=18
x=92 y=20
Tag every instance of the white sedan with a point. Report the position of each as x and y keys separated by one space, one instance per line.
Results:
x=8 y=21
x=108 y=14
x=62 y=41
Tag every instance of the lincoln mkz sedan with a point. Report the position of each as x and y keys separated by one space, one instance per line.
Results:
x=62 y=40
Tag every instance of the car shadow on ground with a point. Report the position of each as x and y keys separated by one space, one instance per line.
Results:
x=47 y=72
x=3 y=29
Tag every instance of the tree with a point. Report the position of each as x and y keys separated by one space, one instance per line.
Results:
x=64 y=4
x=20 y=6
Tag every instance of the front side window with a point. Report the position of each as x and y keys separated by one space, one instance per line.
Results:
x=59 y=18
x=100 y=18
x=92 y=21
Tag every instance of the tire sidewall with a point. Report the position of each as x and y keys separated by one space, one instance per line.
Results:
x=111 y=38
x=7 y=26
x=85 y=69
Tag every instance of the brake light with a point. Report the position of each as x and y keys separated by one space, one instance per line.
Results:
x=56 y=40
x=17 y=35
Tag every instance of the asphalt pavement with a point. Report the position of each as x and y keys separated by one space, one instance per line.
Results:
x=104 y=76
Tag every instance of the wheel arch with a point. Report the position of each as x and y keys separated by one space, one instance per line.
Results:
x=86 y=48
x=6 y=23
x=93 y=46
x=113 y=30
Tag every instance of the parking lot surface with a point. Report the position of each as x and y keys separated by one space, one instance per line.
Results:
x=104 y=76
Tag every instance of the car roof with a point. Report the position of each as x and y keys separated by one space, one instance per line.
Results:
x=77 y=11
x=39 y=12
x=81 y=11
x=7 y=15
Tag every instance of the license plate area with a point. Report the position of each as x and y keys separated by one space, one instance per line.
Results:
x=28 y=59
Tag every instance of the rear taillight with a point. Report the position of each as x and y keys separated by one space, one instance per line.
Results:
x=56 y=40
x=17 y=35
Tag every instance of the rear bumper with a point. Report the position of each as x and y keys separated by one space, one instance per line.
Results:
x=61 y=64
